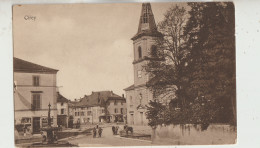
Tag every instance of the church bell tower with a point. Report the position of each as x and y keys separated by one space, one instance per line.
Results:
x=144 y=43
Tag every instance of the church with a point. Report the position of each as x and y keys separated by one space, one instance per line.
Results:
x=144 y=43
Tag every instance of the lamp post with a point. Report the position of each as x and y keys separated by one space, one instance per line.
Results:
x=49 y=131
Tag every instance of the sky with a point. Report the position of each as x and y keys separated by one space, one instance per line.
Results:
x=90 y=44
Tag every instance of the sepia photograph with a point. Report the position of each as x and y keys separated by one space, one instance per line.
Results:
x=124 y=74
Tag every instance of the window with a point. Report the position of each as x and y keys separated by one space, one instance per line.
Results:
x=139 y=73
x=131 y=100
x=139 y=52
x=116 y=110
x=103 y=111
x=36 y=101
x=115 y=103
x=82 y=113
x=26 y=120
x=145 y=16
x=89 y=113
x=153 y=51
x=122 y=110
x=36 y=80
x=61 y=104
x=62 y=111
x=75 y=113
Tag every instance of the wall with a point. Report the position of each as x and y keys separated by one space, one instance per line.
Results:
x=24 y=86
x=64 y=106
x=132 y=106
x=145 y=43
x=93 y=117
x=111 y=107
x=190 y=135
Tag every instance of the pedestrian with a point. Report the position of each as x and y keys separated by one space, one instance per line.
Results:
x=94 y=132
x=113 y=130
x=100 y=131
x=116 y=130
x=24 y=130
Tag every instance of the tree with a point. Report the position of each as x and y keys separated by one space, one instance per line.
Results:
x=195 y=62
x=167 y=64
x=211 y=60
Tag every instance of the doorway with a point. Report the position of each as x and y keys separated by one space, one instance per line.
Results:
x=36 y=125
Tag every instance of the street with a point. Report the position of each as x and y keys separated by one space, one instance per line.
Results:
x=107 y=139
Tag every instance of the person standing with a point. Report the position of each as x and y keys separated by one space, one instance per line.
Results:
x=94 y=132
x=113 y=130
x=100 y=131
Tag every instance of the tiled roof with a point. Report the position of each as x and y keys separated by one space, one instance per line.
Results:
x=98 y=98
x=61 y=98
x=130 y=87
x=25 y=66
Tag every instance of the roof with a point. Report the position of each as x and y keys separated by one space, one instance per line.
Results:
x=98 y=98
x=25 y=66
x=147 y=26
x=130 y=87
x=61 y=98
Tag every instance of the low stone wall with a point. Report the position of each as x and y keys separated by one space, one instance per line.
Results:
x=193 y=135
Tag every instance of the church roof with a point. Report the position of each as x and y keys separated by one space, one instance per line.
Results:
x=147 y=25
x=25 y=66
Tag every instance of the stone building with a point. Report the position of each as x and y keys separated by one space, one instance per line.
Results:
x=34 y=90
x=101 y=106
x=144 y=42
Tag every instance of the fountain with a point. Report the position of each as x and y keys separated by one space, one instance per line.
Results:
x=51 y=137
x=50 y=140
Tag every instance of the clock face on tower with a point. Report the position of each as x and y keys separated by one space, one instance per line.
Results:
x=139 y=73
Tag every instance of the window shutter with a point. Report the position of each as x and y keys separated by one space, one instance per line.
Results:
x=40 y=100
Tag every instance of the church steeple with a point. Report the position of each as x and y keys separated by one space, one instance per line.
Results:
x=147 y=24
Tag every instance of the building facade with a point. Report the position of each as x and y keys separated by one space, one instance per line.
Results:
x=102 y=106
x=144 y=42
x=34 y=90
x=62 y=110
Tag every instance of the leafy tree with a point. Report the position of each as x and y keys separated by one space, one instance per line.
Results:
x=155 y=113
x=210 y=33
x=195 y=63
x=167 y=64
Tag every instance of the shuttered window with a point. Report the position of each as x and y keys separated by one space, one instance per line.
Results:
x=36 y=101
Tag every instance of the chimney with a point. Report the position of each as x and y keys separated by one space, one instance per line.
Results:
x=123 y=95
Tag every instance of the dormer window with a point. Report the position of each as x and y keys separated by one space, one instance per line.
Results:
x=139 y=52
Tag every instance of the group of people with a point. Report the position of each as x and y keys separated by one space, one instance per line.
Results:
x=96 y=130
x=115 y=130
